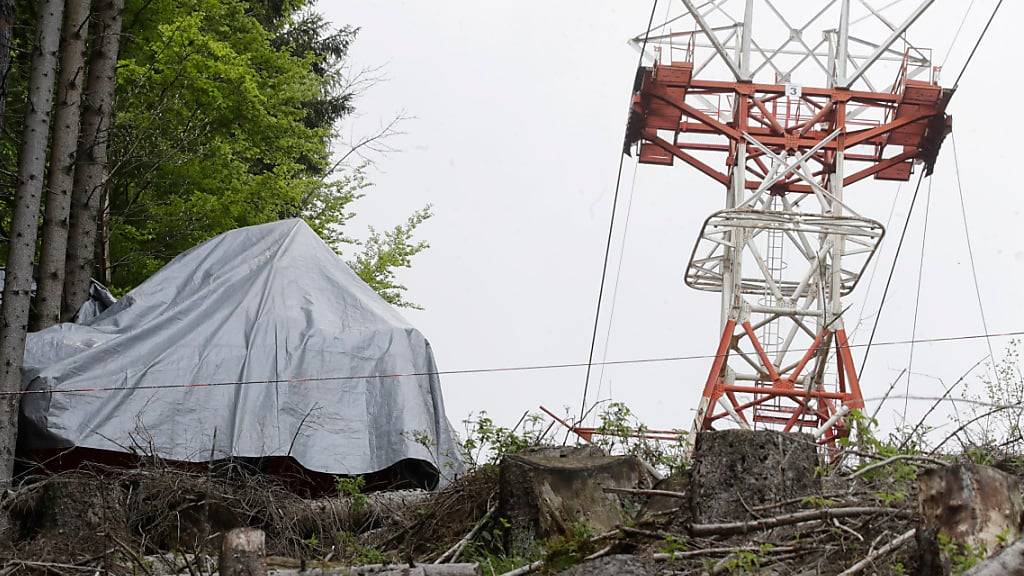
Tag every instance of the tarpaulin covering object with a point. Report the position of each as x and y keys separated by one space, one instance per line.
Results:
x=316 y=352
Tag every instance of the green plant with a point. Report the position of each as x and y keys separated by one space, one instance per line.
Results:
x=899 y=472
x=890 y=497
x=672 y=544
x=353 y=488
x=567 y=551
x=486 y=443
x=962 y=557
x=743 y=563
x=619 y=432
x=351 y=549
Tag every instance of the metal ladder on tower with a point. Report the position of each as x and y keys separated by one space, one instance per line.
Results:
x=774 y=241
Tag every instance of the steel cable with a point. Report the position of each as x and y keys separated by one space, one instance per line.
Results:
x=608 y=242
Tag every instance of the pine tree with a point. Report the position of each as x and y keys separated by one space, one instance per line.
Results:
x=67 y=120
x=25 y=225
x=92 y=171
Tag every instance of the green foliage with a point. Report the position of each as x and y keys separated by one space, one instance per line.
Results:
x=225 y=115
x=745 y=562
x=353 y=488
x=495 y=562
x=347 y=546
x=818 y=502
x=384 y=253
x=619 y=432
x=672 y=544
x=899 y=472
x=488 y=549
x=890 y=497
x=210 y=132
x=962 y=557
x=567 y=551
x=485 y=443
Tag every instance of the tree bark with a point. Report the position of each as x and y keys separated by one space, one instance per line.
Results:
x=243 y=553
x=25 y=225
x=7 y=16
x=67 y=120
x=91 y=171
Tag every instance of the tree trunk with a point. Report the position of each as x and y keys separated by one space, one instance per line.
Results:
x=25 y=225
x=62 y=165
x=91 y=170
x=7 y=14
x=243 y=553
x=965 y=509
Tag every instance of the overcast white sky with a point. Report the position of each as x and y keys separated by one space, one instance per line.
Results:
x=520 y=111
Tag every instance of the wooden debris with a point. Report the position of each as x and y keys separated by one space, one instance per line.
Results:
x=387 y=570
x=452 y=554
x=899 y=457
x=881 y=552
x=640 y=492
x=729 y=528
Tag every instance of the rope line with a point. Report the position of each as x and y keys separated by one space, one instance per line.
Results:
x=959 y=29
x=892 y=271
x=608 y=242
x=874 y=267
x=917 y=295
x=976 y=44
x=970 y=250
x=528 y=368
x=618 y=278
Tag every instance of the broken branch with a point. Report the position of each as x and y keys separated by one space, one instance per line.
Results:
x=884 y=550
x=729 y=528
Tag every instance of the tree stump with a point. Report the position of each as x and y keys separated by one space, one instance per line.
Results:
x=243 y=553
x=547 y=492
x=969 y=511
x=736 y=469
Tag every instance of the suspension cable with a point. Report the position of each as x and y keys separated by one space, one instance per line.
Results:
x=976 y=44
x=959 y=29
x=608 y=242
x=917 y=296
x=618 y=278
x=892 y=271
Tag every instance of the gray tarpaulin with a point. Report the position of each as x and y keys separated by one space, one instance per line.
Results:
x=316 y=352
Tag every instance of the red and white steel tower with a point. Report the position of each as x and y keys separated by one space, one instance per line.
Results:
x=786 y=104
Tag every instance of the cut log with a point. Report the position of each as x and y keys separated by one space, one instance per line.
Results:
x=243 y=553
x=546 y=492
x=731 y=528
x=357 y=513
x=976 y=509
x=736 y=469
x=386 y=570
